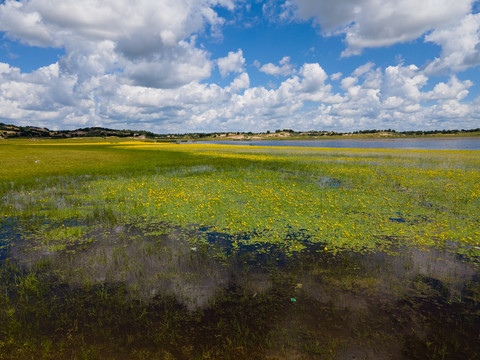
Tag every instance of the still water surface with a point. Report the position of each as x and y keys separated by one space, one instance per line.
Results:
x=469 y=143
x=131 y=295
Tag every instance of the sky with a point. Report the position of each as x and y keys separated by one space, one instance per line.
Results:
x=178 y=66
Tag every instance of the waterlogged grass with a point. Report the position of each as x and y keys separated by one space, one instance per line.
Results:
x=129 y=249
x=358 y=200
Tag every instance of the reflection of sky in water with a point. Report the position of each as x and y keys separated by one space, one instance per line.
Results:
x=408 y=144
x=387 y=277
x=369 y=306
x=167 y=265
x=149 y=267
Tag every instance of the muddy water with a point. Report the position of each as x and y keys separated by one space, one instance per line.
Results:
x=130 y=295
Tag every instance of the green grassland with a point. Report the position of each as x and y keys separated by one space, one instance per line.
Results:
x=201 y=206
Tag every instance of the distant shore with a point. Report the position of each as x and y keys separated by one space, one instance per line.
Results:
x=13 y=131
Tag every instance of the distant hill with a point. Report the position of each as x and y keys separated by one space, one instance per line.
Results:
x=13 y=131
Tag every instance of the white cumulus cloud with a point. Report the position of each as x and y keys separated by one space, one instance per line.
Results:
x=453 y=90
x=138 y=38
x=240 y=83
x=460 y=45
x=284 y=68
x=233 y=62
x=373 y=23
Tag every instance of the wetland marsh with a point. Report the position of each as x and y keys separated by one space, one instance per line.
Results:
x=114 y=249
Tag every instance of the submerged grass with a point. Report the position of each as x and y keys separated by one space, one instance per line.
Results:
x=104 y=235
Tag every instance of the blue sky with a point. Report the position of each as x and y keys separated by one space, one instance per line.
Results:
x=174 y=66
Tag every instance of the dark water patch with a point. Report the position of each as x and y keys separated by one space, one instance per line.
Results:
x=329 y=182
x=245 y=244
x=441 y=327
x=29 y=222
x=434 y=284
x=4 y=248
x=426 y=204
x=404 y=219
x=9 y=232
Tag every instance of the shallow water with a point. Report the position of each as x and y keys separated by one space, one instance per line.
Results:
x=467 y=143
x=126 y=294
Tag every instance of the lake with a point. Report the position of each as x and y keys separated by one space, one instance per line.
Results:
x=467 y=143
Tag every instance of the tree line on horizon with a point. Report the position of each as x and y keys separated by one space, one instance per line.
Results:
x=14 y=131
